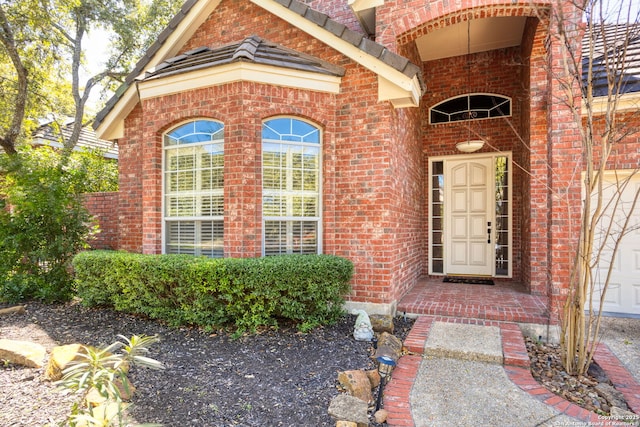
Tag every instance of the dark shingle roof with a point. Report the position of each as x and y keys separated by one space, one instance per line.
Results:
x=358 y=40
x=252 y=49
x=619 y=45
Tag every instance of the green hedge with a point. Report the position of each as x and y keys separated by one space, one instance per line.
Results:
x=185 y=290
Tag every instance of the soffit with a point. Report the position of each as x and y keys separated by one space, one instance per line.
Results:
x=480 y=36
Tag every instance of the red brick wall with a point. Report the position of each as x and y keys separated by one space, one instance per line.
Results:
x=338 y=10
x=407 y=204
x=547 y=213
x=565 y=162
x=497 y=71
x=103 y=206
x=130 y=183
x=535 y=207
x=361 y=180
x=374 y=157
x=625 y=154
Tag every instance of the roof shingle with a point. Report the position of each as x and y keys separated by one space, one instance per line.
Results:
x=252 y=49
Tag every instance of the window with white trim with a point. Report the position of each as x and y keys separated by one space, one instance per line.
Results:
x=194 y=189
x=290 y=187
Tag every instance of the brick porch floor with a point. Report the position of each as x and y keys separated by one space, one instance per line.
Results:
x=504 y=301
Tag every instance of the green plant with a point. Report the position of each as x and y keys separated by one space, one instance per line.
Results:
x=106 y=372
x=248 y=293
x=43 y=224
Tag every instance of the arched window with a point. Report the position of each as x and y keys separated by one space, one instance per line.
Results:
x=193 y=189
x=470 y=107
x=291 y=202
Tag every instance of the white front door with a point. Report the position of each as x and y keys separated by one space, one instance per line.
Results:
x=469 y=217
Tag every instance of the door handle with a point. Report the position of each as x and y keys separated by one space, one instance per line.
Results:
x=488 y=231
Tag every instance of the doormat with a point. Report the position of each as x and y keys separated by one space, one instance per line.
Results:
x=468 y=280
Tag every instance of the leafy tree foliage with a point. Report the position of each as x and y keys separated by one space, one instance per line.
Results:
x=101 y=174
x=43 y=57
x=43 y=224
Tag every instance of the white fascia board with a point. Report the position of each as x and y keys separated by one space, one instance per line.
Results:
x=184 y=31
x=393 y=76
x=626 y=102
x=238 y=71
x=359 y=5
x=400 y=98
x=112 y=126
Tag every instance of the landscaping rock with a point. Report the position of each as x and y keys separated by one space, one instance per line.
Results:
x=346 y=424
x=18 y=309
x=381 y=416
x=348 y=408
x=382 y=323
x=61 y=357
x=374 y=377
x=23 y=353
x=613 y=396
x=389 y=345
x=357 y=384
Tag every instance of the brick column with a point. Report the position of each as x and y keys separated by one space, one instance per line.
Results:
x=565 y=159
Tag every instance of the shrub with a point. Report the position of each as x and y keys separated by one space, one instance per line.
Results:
x=43 y=224
x=249 y=292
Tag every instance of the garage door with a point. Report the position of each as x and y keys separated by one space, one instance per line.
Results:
x=623 y=293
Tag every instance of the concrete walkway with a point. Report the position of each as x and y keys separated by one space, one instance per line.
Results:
x=468 y=372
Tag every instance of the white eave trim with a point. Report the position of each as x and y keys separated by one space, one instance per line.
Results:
x=399 y=97
x=239 y=71
x=112 y=126
x=184 y=31
x=404 y=84
x=406 y=89
x=626 y=102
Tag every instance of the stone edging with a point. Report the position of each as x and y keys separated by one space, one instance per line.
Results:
x=516 y=365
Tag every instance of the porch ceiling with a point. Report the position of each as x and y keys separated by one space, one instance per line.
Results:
x=485 y=34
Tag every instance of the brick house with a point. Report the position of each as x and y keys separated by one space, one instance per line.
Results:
x=259 y=127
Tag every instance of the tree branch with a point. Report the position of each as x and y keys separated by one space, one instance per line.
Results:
x=8 y=141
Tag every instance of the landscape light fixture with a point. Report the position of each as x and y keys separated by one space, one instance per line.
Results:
x=385 y=366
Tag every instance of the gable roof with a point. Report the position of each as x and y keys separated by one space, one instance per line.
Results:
x=399 y=80
x=252 y=49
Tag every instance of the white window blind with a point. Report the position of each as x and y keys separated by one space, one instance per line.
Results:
x=290 y=186
x=194 y=188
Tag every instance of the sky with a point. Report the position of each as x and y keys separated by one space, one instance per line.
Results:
x=96 y=52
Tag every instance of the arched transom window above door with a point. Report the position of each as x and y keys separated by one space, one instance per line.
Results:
x=471 y=106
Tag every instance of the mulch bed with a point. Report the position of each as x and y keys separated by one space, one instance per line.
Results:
x=585 y=391
x=274 y=378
